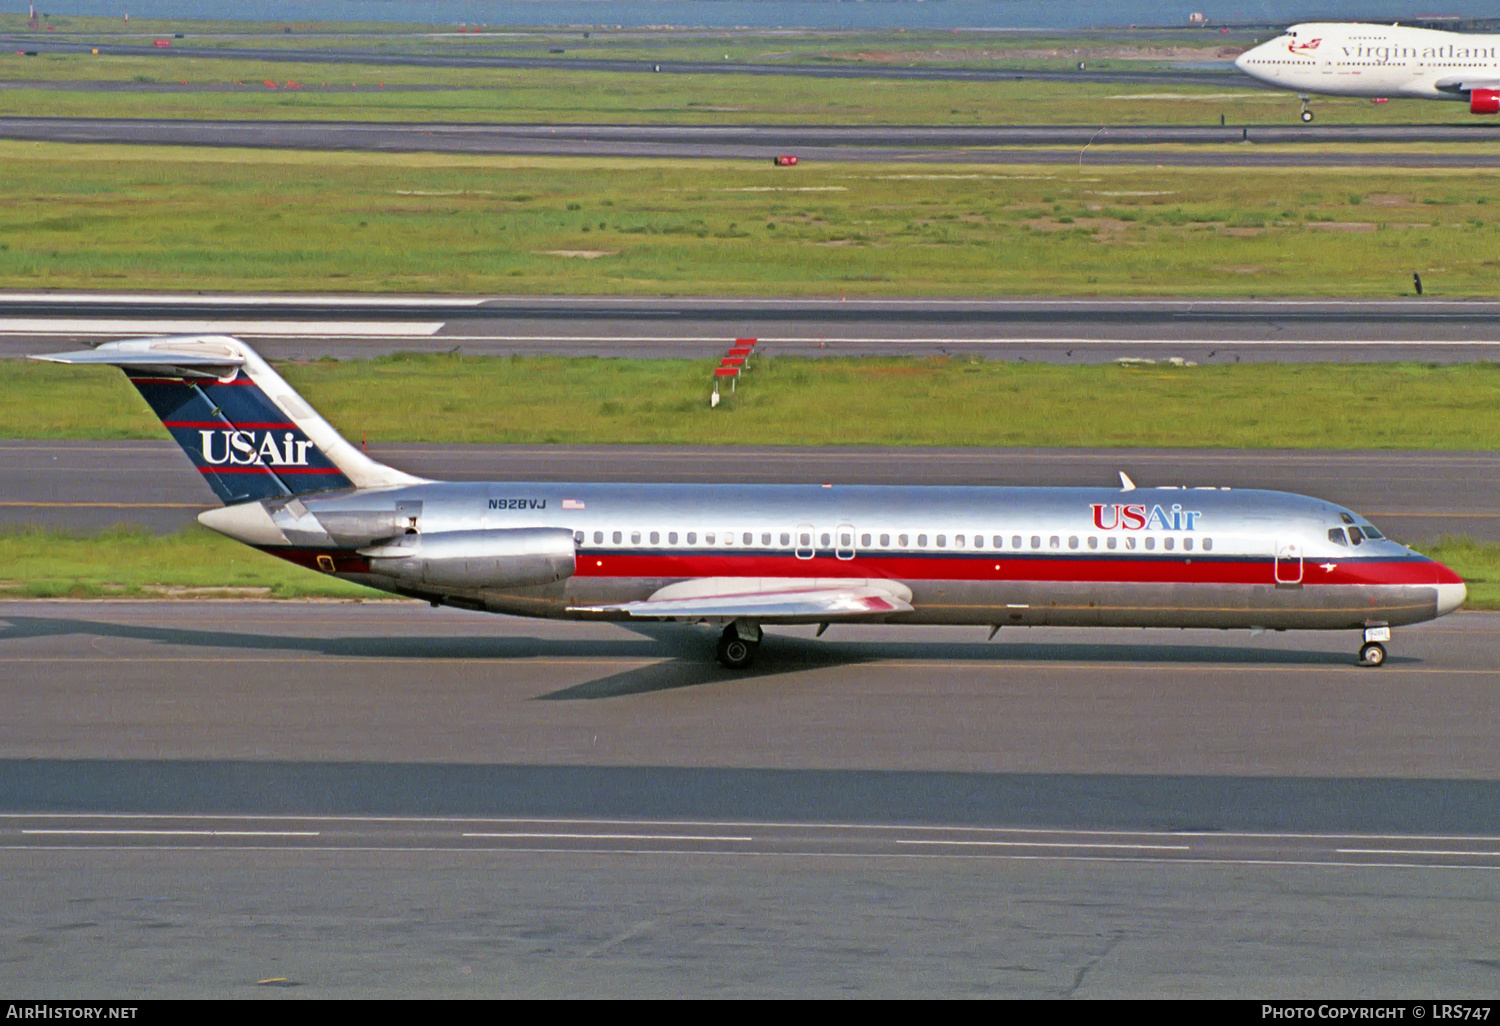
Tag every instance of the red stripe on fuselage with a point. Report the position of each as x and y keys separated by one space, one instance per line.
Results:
x=1139 y=569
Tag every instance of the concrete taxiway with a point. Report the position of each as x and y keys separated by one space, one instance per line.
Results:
x=1196 y=146
x=383 y=799
x=1052 y=330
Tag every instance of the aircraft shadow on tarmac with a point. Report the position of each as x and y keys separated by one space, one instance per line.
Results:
x=681 y=656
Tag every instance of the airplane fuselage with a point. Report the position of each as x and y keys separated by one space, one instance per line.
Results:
x=1353 y=59
x=1199 y=557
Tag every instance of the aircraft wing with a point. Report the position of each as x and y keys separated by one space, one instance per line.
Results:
x=769 y=600
x=1466 y=84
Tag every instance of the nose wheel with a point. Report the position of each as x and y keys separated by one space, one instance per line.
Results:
x=1371 y=653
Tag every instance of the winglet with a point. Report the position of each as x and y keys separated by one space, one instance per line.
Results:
x=1126 y=485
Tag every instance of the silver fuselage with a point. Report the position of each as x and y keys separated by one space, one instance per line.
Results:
x=1069 y=556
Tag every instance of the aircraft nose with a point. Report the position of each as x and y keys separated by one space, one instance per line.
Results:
x=1451 y=590
x=1243 y=59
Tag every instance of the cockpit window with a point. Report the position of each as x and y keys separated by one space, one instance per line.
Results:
x=1370 y=532
x=1356 y=536
x=1336 y=535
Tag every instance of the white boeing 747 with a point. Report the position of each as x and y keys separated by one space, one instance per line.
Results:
x=1355 y=59
x=737 y=556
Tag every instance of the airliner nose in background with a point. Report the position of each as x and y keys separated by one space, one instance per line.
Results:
x=1354 y=59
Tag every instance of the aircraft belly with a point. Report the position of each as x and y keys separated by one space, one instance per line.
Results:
x=1084 y=604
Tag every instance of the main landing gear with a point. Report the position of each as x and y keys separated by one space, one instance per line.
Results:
x=738 y=644
x=1372 y=652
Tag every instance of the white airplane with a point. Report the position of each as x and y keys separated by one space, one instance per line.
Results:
x=1355 y=59
x=739 y=556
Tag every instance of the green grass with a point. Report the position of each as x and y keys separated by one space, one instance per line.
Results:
x=148 y=218
x=131 y=562
x=790 y=401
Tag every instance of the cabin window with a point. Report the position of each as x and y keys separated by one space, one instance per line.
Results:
x=765 y=539
x=1168 y=543
x=825 y=539
x=1054 y=542
x=655 y=537
x=1150 y=542
x=885 y=541
x=942 y=541
x=904 y=541
x=1073 y=541
x=671 y=537
x=786 y=539
x=845 y=540
x=1336 y=535
x=578 y=537
x=1015 y=541
x=958 y=541
x=692 y=537
x=864 y=540
x=749 y=539
x=708 y=538
x=806 y=540
x=635 y=537
x=1036 y=541
x=1129 y=542
x=617 y=537
x=1093 y=541
x=598 y=537
x=1208 y=544
x=1187 y=545
x=1111 y=542
x=921 y=541
x=979 y=541
x=998 y=541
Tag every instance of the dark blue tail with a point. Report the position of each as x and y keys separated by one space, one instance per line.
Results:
x=244 y=445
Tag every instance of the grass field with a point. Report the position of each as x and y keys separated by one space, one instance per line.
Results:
x=791 y=401
x=242 y=220
x=237 y=88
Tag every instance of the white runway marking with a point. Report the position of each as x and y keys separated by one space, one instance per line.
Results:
x=182 y=326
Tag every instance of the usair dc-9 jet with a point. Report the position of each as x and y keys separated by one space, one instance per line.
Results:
x=740 y=557
x=1354 y=59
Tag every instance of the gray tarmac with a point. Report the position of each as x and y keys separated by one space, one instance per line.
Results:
x=1174 y=146
x=1414 y=496
x=1204 y=331
x=381 y=799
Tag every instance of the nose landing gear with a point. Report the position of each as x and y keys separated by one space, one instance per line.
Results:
x=1372 y=652
x=1307 y=114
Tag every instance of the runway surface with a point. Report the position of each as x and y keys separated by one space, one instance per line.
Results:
x=1052 y=330
x=384 y=799
x=1413 y=496
x=1089 y=145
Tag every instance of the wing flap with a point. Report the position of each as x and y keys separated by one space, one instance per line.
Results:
x=785 y=600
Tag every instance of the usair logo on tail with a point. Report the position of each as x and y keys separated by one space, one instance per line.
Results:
x=241 y=448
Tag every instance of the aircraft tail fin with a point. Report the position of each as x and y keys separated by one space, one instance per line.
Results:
x=246 y=430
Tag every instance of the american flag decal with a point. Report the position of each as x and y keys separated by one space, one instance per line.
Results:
x=572 y=504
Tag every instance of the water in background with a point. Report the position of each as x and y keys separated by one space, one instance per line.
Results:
x=817 y=14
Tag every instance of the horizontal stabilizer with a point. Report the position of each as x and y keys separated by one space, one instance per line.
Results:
x=769 y=600
x=201 y=356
